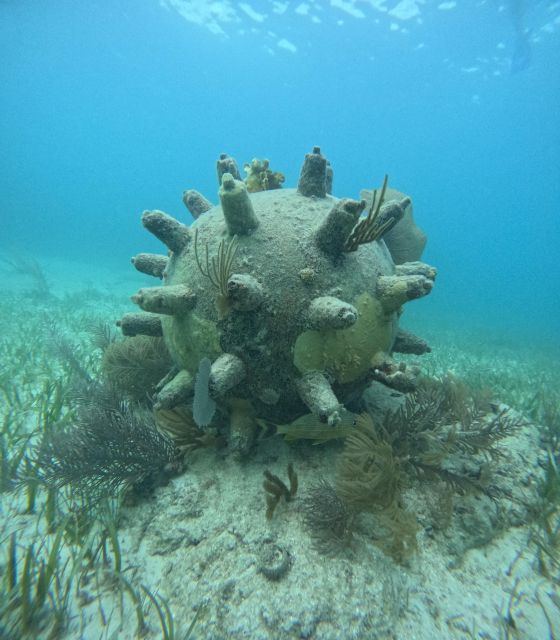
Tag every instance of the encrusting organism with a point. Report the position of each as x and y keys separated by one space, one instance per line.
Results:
x=260 y=177
x=293 y=297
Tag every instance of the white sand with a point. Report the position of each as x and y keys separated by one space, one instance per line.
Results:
x=199 y=541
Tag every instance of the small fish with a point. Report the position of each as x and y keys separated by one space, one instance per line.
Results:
x=308 y=427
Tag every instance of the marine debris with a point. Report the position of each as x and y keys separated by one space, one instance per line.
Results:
x=274 y=561
x=280 y=344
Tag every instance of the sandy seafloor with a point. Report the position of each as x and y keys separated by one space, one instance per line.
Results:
x=200 y=540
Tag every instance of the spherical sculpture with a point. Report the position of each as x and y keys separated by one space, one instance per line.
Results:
x=290 y=298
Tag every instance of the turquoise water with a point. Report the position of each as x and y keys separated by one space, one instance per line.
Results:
x=110 y=108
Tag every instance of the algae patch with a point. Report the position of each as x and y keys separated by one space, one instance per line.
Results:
x=204 y=340
x=347 y=353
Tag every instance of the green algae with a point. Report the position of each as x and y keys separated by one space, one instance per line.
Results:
x=347 y=353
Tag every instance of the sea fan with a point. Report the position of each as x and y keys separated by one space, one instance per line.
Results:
x=110 y=447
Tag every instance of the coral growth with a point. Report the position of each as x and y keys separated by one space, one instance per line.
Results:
x=111 y=447
x=276 y=489
x=260 y=177
x=368 y=474
x=444 y=420
x=443 y=432
x=327 y=517
x=218 y=269
x=179 y=425
x=379 y=220
x=236 y=290
x=134 y=366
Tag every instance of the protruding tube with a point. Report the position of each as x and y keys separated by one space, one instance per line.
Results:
x=328 y=312
x=177 y=391
x=337 y=225
x=416 y=269
x=394 y=291
x=143 y=324
x=405 y=241
x=176 y=299
x=406 y=342
x=400 y=377
x=170 y=231
x=236 y=205
x=242 y=427
x=315 y=391
x=196 y=203
x=151 y=264
x=313 y=175
x=226 y=164
x=329 y=178
x=391 y=213
x=227 y=371
x=381 y=218
x=244 y=292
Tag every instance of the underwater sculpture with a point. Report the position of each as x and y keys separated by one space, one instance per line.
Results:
x=281 y=302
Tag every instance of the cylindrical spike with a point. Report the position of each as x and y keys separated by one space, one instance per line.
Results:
x=394 y=291
x=236 y=205
x=143 y=324
x=227 y=371
x=401 y=377
x=177 y=391
x=329 y=178
x=337 y=225
x=176 y=299
x=391 y=213
x=416 y=269
x=315 y=391
x=170 y=231
x=406 y=342
x=313 y=175
x=196 y=203
x=226 y=164
x=328 y=312
x=243 y=427
x=151 y=264
x=244 y=292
